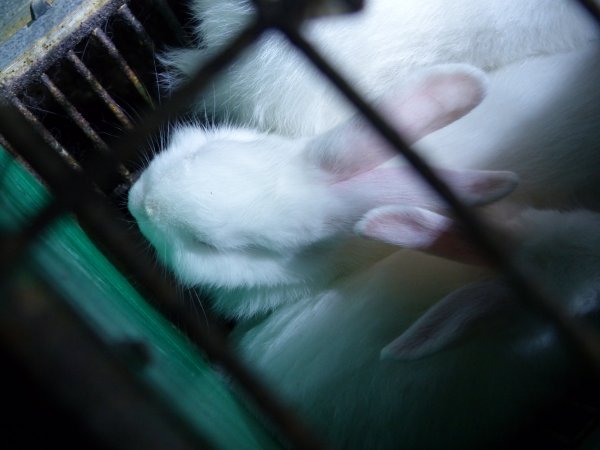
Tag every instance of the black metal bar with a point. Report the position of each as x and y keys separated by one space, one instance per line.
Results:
x=81 y=121
x=591 y=7
x=139 y=29
x=75 y=192
x=114 y=53
x=50 y=140
x=95 y=85
x=582 y=337
x=74 y=114
x=82 y=374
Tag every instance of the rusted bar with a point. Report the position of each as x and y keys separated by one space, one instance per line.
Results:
x=73 y=113
x=4 y=143
x=114 y=53
x=52 y=142
x=81 y=121
x=73 y=191
x=93 y=82
x=583 y=338
x=592 y=7
x=46 y=52
x=139 y=29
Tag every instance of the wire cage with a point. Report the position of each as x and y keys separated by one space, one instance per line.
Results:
x=97 y=334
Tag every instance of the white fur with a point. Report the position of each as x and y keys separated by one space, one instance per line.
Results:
x=322 y=354
x=274 y=88
x=540 y=111
x=243 y=212
x=540 y=119
x=266 y=224
x=201 y=206
x=250 y=217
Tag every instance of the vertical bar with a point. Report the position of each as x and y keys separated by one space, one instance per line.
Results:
x=73 y=113
x=81 y=122
x=127 y=70
x=46 y=135
x=93 y=82
x=139 y=29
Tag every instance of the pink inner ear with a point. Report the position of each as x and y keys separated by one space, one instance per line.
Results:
x=419 y=229
x=405 y=226
x=438 y=97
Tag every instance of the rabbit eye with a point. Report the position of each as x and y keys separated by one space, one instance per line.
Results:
x=259 y=250
x=200 y=243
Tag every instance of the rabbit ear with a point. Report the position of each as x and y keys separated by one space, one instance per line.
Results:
x=452 y=318
x=352 y=152
x=434 y=98
x=403 y=186
x=419 y=229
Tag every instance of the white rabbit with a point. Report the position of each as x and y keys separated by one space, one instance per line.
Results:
x=260 y=219
x=539 y=119
x=266 y=224
x=501 y=365
x=539 y=113
x=273 y=87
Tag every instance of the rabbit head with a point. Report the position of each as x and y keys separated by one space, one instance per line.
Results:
x=263 y=216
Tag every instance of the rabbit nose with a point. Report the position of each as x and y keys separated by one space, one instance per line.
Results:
x=140 y=203
x=151 y=207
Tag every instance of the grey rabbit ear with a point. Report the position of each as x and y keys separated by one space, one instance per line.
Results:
x=449 y=320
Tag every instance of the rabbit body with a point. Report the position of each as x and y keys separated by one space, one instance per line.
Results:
x=262 y=219
x=273 y=88
x=248 y=216
x=267 y=223
x=538 y=119
x=322 y=354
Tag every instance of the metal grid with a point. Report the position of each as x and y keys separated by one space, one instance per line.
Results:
x=75 y=178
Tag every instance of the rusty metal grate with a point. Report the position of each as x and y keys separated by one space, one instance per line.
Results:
x=83 y=93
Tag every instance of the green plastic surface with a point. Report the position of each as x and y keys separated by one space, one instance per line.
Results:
x=81 y=274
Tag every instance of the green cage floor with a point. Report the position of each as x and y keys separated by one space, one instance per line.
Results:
x=65 y=257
